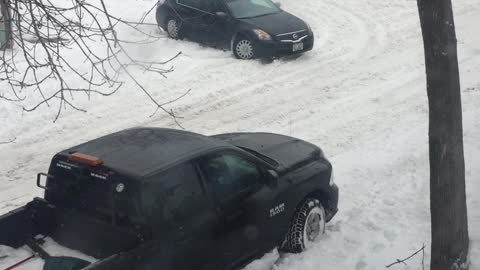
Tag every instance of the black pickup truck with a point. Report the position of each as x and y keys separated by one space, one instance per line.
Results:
x=152 y=198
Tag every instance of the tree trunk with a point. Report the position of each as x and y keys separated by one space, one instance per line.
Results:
x=6 y=20
x=447 y=166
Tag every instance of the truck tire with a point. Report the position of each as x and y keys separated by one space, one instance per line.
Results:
x=307 y=224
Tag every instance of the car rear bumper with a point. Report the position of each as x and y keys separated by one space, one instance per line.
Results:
x=275 y=48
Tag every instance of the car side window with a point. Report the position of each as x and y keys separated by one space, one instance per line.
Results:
x=175 y=194
x=262 y=3
x=203 y=5
x=229 y=174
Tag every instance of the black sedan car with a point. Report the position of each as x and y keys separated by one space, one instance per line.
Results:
x=250 y=28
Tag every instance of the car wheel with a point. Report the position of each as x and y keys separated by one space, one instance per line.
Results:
x=308 y=223
x=174 y=27
x=243 y=48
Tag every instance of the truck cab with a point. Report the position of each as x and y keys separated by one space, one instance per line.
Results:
x=150 y=198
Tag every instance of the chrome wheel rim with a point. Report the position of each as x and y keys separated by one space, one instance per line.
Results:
x=172 y=28
x=244 y=49
x=314 y=226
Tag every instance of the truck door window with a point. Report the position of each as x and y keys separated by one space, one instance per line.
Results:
x=230 y=174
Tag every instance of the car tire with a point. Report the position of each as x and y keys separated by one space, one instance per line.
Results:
x=307 y=224
x=243 y=48
x=173 y=28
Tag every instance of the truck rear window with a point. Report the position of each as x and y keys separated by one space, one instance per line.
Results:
x=81 y=189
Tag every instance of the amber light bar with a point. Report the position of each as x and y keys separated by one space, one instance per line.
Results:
x=85 y=159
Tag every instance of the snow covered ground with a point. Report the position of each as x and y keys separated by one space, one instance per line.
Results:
x=360 y=95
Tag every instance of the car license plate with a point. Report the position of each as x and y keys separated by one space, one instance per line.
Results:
x=297 y=46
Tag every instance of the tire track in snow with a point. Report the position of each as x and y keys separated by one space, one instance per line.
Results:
x=311 y=62
x=305 y=70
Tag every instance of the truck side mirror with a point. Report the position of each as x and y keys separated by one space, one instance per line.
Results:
x=272 y=177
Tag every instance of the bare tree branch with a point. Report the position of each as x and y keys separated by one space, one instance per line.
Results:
x=9 y=141
x=409 y=257
x=44 y=36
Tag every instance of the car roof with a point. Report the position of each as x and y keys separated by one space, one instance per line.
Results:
x=139 y=152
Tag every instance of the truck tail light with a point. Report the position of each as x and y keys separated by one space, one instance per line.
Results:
x=85 y=159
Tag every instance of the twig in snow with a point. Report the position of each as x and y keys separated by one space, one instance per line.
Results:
x=423 y=257
x=9 y=141
x=403 y=261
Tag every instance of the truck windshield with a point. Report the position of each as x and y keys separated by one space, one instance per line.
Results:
x=242 y=9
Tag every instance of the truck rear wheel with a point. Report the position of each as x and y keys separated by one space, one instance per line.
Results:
x=308 y=223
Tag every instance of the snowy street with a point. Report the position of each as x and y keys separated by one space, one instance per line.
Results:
x=360 y=95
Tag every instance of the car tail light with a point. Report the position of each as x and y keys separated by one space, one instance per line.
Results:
x=85 y=159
